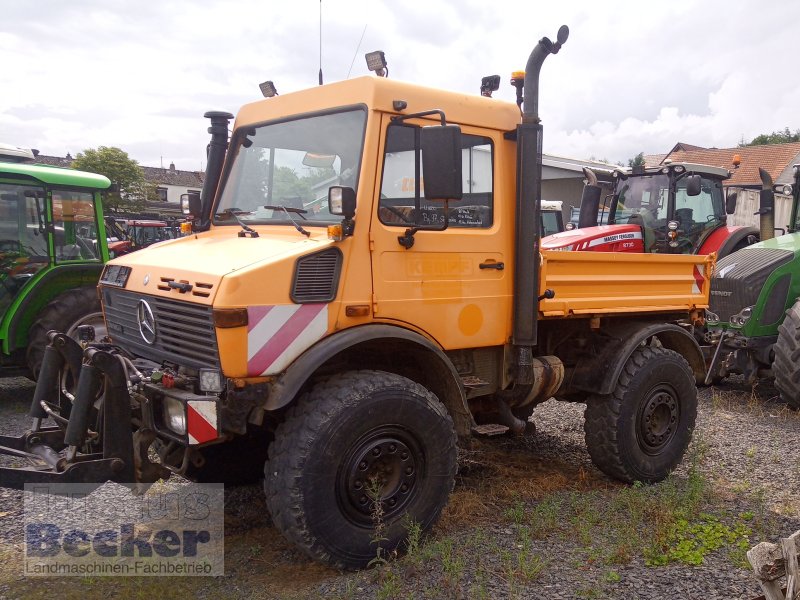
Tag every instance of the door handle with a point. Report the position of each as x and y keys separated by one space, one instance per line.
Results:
x=492 y=265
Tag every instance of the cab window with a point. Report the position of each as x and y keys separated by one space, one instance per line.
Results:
x=402 y=201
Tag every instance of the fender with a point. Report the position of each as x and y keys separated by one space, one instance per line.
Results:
x=451 y=392
x=728 y=239
x=600 y=373
x=36 y=294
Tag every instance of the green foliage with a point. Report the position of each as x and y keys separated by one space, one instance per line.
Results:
x=636 y=161
x=776 y=137
x=689 y=542
x=123 y=171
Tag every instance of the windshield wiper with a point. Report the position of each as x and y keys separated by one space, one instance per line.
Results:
x=289 y=210
x=247 y=229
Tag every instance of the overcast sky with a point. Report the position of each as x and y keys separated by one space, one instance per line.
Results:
x=633 y=77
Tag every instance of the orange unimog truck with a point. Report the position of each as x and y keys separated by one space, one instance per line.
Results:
x=356 y=299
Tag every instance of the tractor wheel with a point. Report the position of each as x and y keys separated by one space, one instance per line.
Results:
x=65 y=313
x=787 y=358
x=640 y=431
x=358 y=459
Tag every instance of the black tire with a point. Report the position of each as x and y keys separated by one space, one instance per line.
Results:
x=640 y=431
x=345 y=431
x=786 y=367
x=65 y=312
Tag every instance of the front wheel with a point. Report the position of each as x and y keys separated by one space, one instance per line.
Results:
x=787 y=358
x=640 y=431
x=359 y=458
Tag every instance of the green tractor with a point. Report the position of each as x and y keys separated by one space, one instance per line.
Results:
x=754 y=313
x=52 y=249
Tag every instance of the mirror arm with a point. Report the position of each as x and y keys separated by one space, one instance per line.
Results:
x=435 y=111
x=407 y=239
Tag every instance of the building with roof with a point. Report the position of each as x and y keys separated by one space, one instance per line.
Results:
x=170 y=183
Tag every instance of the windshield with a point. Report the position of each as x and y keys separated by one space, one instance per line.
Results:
x=642 y=193
x=289 y=167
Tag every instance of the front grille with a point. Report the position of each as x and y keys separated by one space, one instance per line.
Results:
x=185 y=332
x=316 y=277
x=739 y=278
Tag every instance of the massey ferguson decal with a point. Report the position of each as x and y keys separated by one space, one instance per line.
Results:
x=610 y=239
x=276 y=335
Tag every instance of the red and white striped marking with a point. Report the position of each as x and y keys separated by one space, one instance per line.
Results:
x=276 y=335
x=201 y=421
x=699 y=279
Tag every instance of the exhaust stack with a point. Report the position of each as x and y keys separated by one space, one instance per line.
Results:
x=528 y=210
x=590 y=200
x=766 y=208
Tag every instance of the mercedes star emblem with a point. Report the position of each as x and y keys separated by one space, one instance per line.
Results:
x=147 y=322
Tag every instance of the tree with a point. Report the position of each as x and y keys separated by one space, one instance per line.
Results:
x=636 y=161
x=131 y=191
x=776 y=137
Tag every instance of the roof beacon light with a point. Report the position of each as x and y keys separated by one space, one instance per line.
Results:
x=518 y=81
x=376 y=61
x=268 y=89
x=737 y=160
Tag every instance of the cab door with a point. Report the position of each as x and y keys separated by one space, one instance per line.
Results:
x=455 y=284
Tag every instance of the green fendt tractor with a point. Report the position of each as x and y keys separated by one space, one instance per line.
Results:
x=52 y=249
x=754 y=311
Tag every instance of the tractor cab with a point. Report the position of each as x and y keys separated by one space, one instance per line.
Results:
x=677 y=208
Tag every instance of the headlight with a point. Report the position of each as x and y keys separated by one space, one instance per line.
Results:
x=210 y=380
x=742 y=317
x=712 y=318
x=175 y=415
x=569 y=226
x=673 y=225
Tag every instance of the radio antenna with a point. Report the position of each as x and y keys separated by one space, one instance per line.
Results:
x=320 y=42
x=356 y=52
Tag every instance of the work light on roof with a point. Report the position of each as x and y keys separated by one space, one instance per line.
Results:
x=489 y=84
x=268 y=89
x=376 y=61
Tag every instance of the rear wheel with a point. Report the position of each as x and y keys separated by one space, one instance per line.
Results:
x=66 y=312
x=362 y=447
x=787 y=357
x=640 y=431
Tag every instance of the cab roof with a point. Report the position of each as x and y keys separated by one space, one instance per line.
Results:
x=380 y=94
x=54 y=175
x=716 y=172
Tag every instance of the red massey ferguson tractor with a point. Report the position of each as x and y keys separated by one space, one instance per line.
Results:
x=677 y=208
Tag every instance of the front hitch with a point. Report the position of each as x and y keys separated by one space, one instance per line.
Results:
x=70 y=451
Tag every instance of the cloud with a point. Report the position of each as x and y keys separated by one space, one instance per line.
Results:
x=139 y=76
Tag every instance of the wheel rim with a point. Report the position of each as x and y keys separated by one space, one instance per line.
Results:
x=388 y=456
x=658 y=419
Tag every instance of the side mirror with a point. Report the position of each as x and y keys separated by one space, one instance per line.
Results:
x=693 y=185
x=190 y=204
x=441 y=162
x=342 y=201
x=730 y=203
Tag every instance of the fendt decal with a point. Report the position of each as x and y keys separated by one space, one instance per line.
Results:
x=276 y=335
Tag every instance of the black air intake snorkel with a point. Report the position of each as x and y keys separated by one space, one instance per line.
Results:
x=216 y=158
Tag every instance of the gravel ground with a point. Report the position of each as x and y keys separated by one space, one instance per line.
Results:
x=747 y=440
